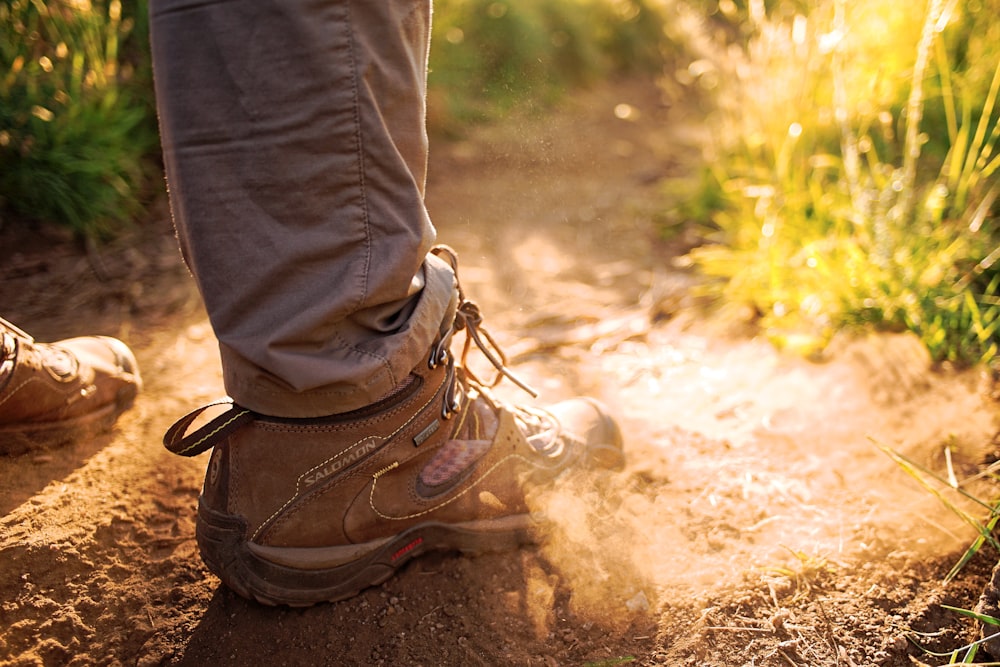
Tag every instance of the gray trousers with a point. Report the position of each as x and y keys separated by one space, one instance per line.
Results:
x=295 y=148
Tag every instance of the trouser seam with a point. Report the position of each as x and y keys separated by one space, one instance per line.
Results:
x=361 y=153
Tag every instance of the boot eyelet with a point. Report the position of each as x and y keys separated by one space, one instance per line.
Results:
x=437 y=358
x=449 y=410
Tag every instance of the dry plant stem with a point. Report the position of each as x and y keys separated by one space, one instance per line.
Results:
x=915 y=107
x=849 y=143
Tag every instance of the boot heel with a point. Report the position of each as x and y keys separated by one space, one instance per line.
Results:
x=220 y=538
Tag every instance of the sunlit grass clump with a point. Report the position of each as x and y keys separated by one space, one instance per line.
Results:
x=73 y=139
x=854 y=166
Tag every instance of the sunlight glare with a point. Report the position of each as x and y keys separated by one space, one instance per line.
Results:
x=830 y=41
x=625 y=111
x=799 y=30
x=42 y=113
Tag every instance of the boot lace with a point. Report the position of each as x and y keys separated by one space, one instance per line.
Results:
x=540 y=428
x=9 y=327
x=469 y=318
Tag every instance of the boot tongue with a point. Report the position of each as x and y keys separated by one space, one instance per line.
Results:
x=478 y=423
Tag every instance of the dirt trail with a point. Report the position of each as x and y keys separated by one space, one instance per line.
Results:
x=756 y=523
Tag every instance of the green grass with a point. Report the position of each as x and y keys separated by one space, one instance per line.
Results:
x=944 y=490
x=489 y=56
x=948 y=490
x=856 y=179
x=75 y=138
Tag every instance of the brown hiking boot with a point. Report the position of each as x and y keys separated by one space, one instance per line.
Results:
x=299 y=511
x=53 y=393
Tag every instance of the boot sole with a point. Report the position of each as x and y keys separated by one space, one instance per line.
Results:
x=227 y=553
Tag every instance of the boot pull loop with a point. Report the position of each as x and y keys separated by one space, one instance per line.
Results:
x=470 y=319
x=205 y=437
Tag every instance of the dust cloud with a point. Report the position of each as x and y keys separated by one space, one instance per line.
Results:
x=762 y=468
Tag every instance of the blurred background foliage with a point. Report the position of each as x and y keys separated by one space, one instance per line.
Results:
x=488 y=55
x=77 y=128
x=849 y=172
x=78 y=141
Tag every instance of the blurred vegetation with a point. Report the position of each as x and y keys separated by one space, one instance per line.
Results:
x=851 y=179
x=490 y=55
x=76 y=128
x=78 y=141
